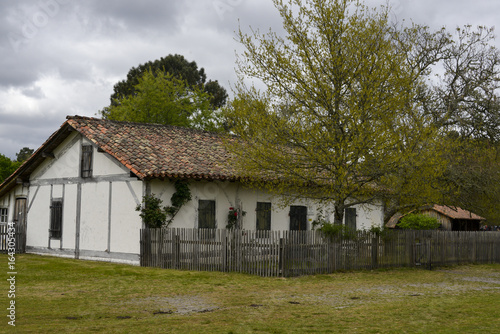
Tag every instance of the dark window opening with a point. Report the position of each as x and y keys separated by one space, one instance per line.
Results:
x=56 y=219
x=263 y=213
x=350 y=218
x=86 y=161
x=206 y=214
x=298 y=218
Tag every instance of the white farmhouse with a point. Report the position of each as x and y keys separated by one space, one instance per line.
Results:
x=77 y=194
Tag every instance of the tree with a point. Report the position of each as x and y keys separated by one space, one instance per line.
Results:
x=178 y=67
x=7 y=167
x=340 y=119
x=163 y=99
x=466 y=98
x=464 y=104
x=24 y=154
x=472 y=176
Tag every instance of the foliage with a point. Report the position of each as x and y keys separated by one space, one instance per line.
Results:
x=466 y=100
x=7 y=167
x=152 y=213
x=415 y=221
x=383 y=233
x=178 y=67
x=233 y=216
x=333 y=231
x=181 y=196
x=164 y=99
x=340 y=105
x=472 y=177
x=24 y=154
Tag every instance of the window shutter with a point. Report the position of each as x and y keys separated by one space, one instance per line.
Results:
x=263 y=216
x=86 y=170
x=56 y=219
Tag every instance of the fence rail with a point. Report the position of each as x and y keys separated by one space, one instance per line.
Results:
x=12 y=237
x=293 y=253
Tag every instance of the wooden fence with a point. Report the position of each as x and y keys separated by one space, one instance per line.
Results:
x=293 y=253
x=12 y=237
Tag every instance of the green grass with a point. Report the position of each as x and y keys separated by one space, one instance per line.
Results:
x=55 y=295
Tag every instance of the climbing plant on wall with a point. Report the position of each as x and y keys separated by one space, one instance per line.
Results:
x=152 y=212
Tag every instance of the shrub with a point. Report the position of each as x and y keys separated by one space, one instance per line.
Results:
x=414 y=221
x=152 y=212
x=333 y=231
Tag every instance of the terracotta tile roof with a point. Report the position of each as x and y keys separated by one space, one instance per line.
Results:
x=158 y=151
x=451 y=212
x=456 y=213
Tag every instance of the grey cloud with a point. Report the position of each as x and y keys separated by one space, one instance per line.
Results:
x=18 y=131
x=138 y=16
x=34 y=92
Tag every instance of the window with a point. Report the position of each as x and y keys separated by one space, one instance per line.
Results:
x=206 y=214
x=4 y=215
x=86 y=164
x=56 y=219
x=298 y=218
x=350 y=218
x=263 y=212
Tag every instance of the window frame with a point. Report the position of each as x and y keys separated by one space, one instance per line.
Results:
x=4 y=215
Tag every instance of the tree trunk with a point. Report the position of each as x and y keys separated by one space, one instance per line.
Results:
x=338 y=216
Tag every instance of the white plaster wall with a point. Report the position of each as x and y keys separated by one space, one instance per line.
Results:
x=38 y=218
x=66 y=162
x=94 y=216
x=104 y=164
x=125 y=221
x=369 y=215
x=69 y=216
x=233 y=194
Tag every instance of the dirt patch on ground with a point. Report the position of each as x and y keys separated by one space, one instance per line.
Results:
x=179 y=304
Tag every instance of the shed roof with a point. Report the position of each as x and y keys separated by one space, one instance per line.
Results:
x=454 y=212
x=148 y=150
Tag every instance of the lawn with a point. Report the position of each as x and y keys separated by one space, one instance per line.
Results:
x=55 y=295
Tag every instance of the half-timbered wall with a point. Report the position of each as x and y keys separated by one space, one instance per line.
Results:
x=99 y=217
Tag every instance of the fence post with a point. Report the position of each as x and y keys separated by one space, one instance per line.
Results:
x=429 y=250
x=223 y=240
x=177 y=251
x=375 y=252
x=280 y=261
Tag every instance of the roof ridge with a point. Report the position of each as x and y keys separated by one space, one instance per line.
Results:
x=149 y=125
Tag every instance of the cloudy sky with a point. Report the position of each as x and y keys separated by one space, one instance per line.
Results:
x=62 y=57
